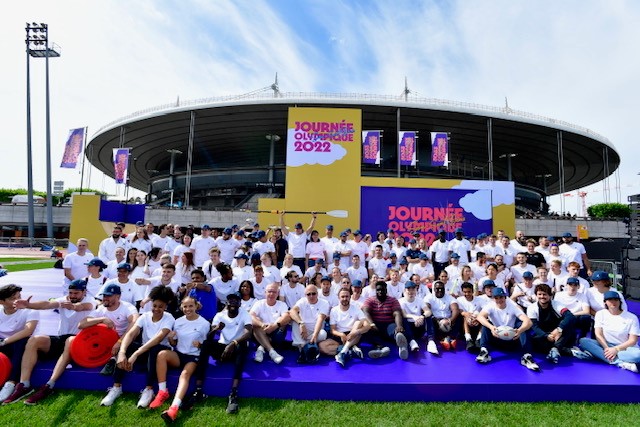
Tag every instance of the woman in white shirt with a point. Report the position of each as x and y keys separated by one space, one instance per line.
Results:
x=617 y=334
x=315 y=250
x=185 y=267
x=140 y=270
x=184 y=247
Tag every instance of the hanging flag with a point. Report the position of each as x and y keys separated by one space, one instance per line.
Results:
x=371 y=146
x=73 y=148
x=407 y=148
x=439 y=149
x=121 y=164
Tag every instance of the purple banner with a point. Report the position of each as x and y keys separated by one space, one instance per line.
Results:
x=73 y=148
x=121 y=164
x=407 y=148
x=439 y=149
x=425 y=210
x=371 y=147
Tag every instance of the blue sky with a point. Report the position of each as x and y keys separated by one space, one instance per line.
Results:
x=573 y=60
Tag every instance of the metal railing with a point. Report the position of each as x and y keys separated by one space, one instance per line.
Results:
x=613 y=270
x=26 y=242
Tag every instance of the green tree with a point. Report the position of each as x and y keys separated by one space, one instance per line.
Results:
x=609 y=210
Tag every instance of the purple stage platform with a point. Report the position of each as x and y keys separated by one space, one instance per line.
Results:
x=453 y=376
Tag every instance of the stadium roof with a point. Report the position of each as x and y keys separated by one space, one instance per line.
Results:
x=230 y=134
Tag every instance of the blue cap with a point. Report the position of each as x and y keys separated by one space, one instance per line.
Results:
x=459 y=230
x=567 y=235
x=139 y=224
x=96 y=262
x=393 y=255
x=112 y=289
x=442 y=230
x=206 y=227
x=255 y=255
x=240 y=232
x=357 y=233
x=256 y=225
x=227 y=230
x=298 y=225
x=573 y=281
x=551 y=238
x=336 y=255
x=241 y=256
x=260 y=234
x=413 y=241
x=454 y=255
x=356 y=283
x=527 y=275
x=410 y=284
x=327 y=278
x=248 y=243
x=404 y=261
x=611 y=295
x=234 y=295
x=343 y=234
x=391 y=230
x=600 y=275
x=498 y=292
x=320 y=261
x=489 y=283
x=78 y=285
x=124 y=266
x=234 y=226
x=329 y=227
x=423 y=256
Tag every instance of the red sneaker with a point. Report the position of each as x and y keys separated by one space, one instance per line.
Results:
x=170 y=414
x=445 y=345
x=454 y=343
x=42 y=393
x=160 y=398
x=20 y=392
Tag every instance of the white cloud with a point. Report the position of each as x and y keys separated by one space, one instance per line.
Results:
x=477 y=204
x=501 y=191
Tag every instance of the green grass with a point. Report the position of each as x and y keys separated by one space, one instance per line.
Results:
x=79 y=408
x=29 y=266
x=17 y=259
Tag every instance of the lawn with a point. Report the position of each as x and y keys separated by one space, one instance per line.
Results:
x=80 y=408
x=35 y=264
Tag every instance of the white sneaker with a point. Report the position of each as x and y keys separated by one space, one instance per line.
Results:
x=628 y=366
x=273 y=354
x=146 y=396
x=114 y=393
x=413 y=345
x=6 y=391
x=259 y=356
x=432 y=348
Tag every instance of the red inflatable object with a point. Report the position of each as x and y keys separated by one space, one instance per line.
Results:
x=5 y=368
x=92 y=346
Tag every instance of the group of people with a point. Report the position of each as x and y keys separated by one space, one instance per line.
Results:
x=177 y=299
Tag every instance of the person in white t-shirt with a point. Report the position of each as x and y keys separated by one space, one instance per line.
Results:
x=270 y=318
x=460 y=246
x=445 y=312
x=577 y=303
x=298 y=239
x=557 y=273
x=377 y=264
x=227 y=245
x=418 y=316
x=504 y=312
x=454 y=269
x=521 y=266
x=343 y=247
x=575 y=252
x=595 y=295
x=470 y=305
x=188 y=336
x=524 y=294
x=242 y=271
x=357 y=270
x=75 y=263
x=16 y=327
x=153 y=326
x=200 y=246
x=348 y=324
x=573 y=270
x=293 y=290
x=308 y=316
x=616 y=336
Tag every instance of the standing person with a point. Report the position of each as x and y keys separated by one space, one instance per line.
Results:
x=16 y=326
x=534 y=258
x=315 y=250
x=154 y=325
x=201 y=245
x=185 y=267
x=110 y=272
x=575 y=252
x=175 y=240
x=357 y=270
x=504 y=312
x=377 y=264
x=384 y=314
x=75 y=263
x=616 y=336
x=270 y=318
x=139 y=270
x=141 y=240
x=439 y=253
x=227 y=246
x=189 y=333
x=329 y=241
x=210 y=266
x=281 y=247
x=185 y=246
x=107 y=249
x=460 y=246
x=343 y=247
x=160 y=240
x=298 y=240
x=72 y=308
x=358 y=246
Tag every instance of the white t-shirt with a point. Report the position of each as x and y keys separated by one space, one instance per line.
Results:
x=222 y=289
x=12 y=323
x=517 y=271
x=503 y=317
x=498 y=281
x=248 y=304
x=95 y=284
x=460 y=247
x=141 y=245
x=617 y=328
x=127 y=290
x=441 y=250
x=411 y=307
x=572 y=252
x=272 y=273
x=200 y=247
x=157 y=281
x=291 y=295
x=260 y=289
x=263 y=247
x=379 y=266
x=284 y=270
x=160 y=242
x=269 y=313
x=395 y=290
x=453 y=271
x=596 y=300
x=69 y=319
x=344 y=247
x=473 y=306
x=529 y=296
x=359 y=273
x=332 y=298
x=478 y=271
x=533 y=311
x=119 y=316
x=150 y=328
x=189 y=331
x=344 y=320
x=561 y=285
x=297 y=244
x=77 y=265
x=440 y=307
x=425 y=271
x=107 y=249
x=315 y=250
x=359 y=248
x=233 y=327
x=309 y=312
x=227 y=248
x=242 y=273
x=574 y=304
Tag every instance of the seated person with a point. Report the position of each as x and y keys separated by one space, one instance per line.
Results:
x=445 y=315
x=307 y=330
x=270 y=318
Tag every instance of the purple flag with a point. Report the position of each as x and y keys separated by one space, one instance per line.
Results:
x=371 y=146
x=73 y=148
x=439 y=149
x=121 y=164
x=407 y=148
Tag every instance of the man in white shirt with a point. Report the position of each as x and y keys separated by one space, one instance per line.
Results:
x=107 y=250
x=518 y=270
x=270 y=318
x=460 y=246
x=470 y=306
x=308 y=316
x=574 y=251
x=329 y=241
x=343 y=247
x=75 y=263
x=358 y=246
x=297 y=240
x=161 y=240
x=439 y=251
x=227 y=246
x=378 y=265
x=201 y=245
x=446 y=312
x=357 y=271
x=348 y=324
x=292 y=290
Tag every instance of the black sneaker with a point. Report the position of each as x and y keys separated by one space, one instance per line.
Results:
x=232 y=406
x=302 y=359
x=197 y=396
x=108 y=369
x=528 y=362
x=470 y=346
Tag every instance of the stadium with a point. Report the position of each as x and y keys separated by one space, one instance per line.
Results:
x=227 y=152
